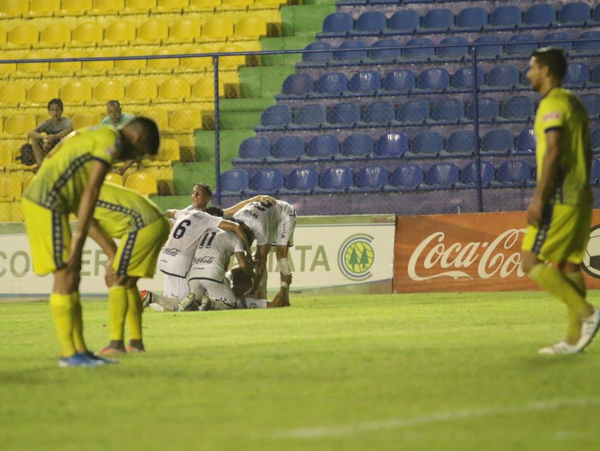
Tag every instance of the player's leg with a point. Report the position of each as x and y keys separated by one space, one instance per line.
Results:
x=134 y=316
x=285 y=240
x=220 y=296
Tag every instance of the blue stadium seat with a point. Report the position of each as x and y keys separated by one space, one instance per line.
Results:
x=488 y=109
x=459 y=48
x=518 y=109
x=471 y=19
x=574 y=13
x=344 y=114
x=288 y=147
x=332 y=83
x=399 y=80
x=539 y=16
x=438 y=20
x=468 y=175
x=336 y=179
x=578 y=74
x=448 y=110
x=276 y=115
x=359 y=145
x=514 y=173
x=392 y=144
x=442 y=175
x=434 y=79
x=506 y=17
x=595 y=139
x=413 y=111
x=301 y=181
x=495 y=45
x=405 y=21
x=255 y=148
x=365 y=82
x=338 y=24
x=596 y=14
x=321 y=56
x=419 y=47
x=370 y=179
x=405 y=177
x=310 y=114
x=525 y=142
x=463 y=78
x=385 y=55
x=595 y=171
x=592 y=104
x=461 y=142
x=589 y=46
x=323 y=147
x=427 y=144
x=595 y=78
x=360 y=52
x=524 y=80
x=233 y=181
x=519 y=44
x=298 y=85
x=559 y=36
x=379 y=113
x=504 y=76
x=370 y=23
x=499 y=141
x=267 y=181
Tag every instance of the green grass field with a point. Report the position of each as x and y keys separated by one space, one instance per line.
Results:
x=397 y=372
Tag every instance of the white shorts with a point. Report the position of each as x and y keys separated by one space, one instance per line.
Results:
x=175 y=287
x=256 y=303
x=219 y=291
x=284 y=235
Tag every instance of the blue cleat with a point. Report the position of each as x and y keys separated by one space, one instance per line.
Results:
x=78 y=359
x=101 y=360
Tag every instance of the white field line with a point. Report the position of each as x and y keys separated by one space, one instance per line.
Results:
x=435 y=417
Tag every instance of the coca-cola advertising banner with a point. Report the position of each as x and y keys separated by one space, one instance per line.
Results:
x=471 y=252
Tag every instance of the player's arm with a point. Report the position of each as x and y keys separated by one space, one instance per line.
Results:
x=244 y=264
x=64 y=132
x=170 y=213
x=281 y=296
x=104 y=240
x=262 y=254
x=545 y=185
x=237 y=229
x=237 y=207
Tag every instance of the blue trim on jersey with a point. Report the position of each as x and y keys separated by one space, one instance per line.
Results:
x=57 y=239
x=137 y=218
x=126 y=255
x=556 y=127
x=544 y=226
x=53 y=195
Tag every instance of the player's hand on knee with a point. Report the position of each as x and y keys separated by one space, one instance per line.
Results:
x=286 y=278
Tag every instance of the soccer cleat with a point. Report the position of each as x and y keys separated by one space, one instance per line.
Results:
x=78 y=359
x=157 y=307
x=206 y=304
x=146 y=296
x=589 y=328
x=134 y=350
x=188 y=303
x=110 y=351
x=100 y=360
x=560 y=348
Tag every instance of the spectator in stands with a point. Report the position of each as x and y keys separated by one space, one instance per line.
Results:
x=50 y=132
x=114 y=114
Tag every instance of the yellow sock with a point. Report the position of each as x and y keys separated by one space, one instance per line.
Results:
x=134 y=314
x=573 y=321
x=117 y=310
x=78 y=340
x=576 y=279
x=62 y=314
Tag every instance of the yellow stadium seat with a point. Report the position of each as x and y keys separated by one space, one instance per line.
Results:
x=106 y=90
x=67 y=68
x=185 y=31
x=166 y=65
x=11 y=95
x=10 y=187
x=75 y=7
x=86 y=119
x=231 y=62
x=173 y=89
x=107 y=7
x=1 y=125
x=141 y=91
x=131 y=66
x=13 y=8
x=217 y=29
x=40 y=93
x=19 y=124
x=6 y=157
x=138 y=6
x=168 y=153
x=171 y=6
x=121 y=32
x=142 y=182
x=98 y=67
x=115 y=178
x=251 y=27
x=2 y=35
x=195 y=65
x=267 y=4
x=76 y=92
x=31 y=70
x=204 y=88
x=159 y=115
x=203 y=5
x=185 y=119
x=152 y=31
x=235 y=5
x=43 y=8
x=7 y=69
x=55 y=35
x=22 y=36
x=86 y=34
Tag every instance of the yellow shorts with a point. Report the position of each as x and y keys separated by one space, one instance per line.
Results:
x=49 y=237
x=562 y=234
x=138 y=251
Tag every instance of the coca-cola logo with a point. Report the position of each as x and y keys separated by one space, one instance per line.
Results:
x=499 y=258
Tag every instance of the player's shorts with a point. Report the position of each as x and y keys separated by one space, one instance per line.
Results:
x=219 y=291
x=562 y=234
x=175 y=287
x=49 y=237
x=256 y=303
x=285 y=228
x=138 y=251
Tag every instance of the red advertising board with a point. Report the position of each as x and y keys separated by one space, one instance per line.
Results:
x=470 y=252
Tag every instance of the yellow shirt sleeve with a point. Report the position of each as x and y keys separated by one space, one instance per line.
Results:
x=552 y=114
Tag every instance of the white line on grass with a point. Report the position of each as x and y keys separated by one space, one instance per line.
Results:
x=435 y=417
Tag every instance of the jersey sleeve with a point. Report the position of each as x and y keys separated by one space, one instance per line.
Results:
x=552 y=114
x=238 y=245
x=106 y=145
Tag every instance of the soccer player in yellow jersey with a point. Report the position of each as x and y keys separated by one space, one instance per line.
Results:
x=69 y=181
x=559 y=216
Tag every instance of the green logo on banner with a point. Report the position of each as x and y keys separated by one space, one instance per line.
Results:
x=356 y=256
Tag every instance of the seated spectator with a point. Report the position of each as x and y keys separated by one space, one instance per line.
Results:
x=114 y=115
x=50 y=132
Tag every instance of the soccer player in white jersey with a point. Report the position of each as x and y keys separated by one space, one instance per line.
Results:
x=270 y=223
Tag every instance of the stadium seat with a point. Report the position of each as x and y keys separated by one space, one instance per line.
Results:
x=540 y=16
x=203 y=5
x=106 y=7
x=523 y=43
x=170 y=6
x=377 y=51
x=276 y=115
x=86 y=34
x=559 y=36
x=234 y=181
x=365 y=82
x=520 y=108
x=204 y=88
x=468 y=175
x=433 y=79
x=595 y=78
x=22 y=36
x=405 y=177
x=413 y=111
x=587 y=46
x=301 y=181
x=115 y=178
x=333 y=83
x=438 y=19
x=77 y=92
x=471 y=19
x=31 y=70
x=488 y=109
x=97 y=67
x=370 y=179
x=255 y=148
x=153 y=31
x=459 y=47
x=194 y=64
x=173 y=90
x=323 y=147
x=461 y=142
x=185 y=119
x=504 y=76
x=168 y=153
x=141 y=91
x=370 y=23
x=336 y=179
x=399 y=80
x=251 y=27
x=231 y=62
x=525 y=142
x=163 y=65
x=463 y=78
x=142 y=182
x=442 y=175
x=379 y=113
x=514 y=173
x=288 y=148
x=344 y=114
x=592 y=104
x=217 y=29
x=405 y=21
x=12 y=94
x=13 y=8
x=392 y=144
x=310 y=115
x=235 y=5
x=578 y=74
x=6 y=156
x=298 y=85
x=419 y=47
x=494 y=45
x=267 y=181
x=498 y=141
x=159 y=115
x=40 y=93
x=595 y=139
x=74 y=7
x=506 y=17
x=10 y=188
x=18 y=124
x=574 y=13
x=138 y=6
x=427 y=144
x=83 y=119
x=68 y=68
x=184 y=31
x=338 y=24
x=359 y=53
x=106 y=90
x=318 y=56
x=120 y=32
x=595 y=171
x=54 y=35
x=359 y=145
x=448 y=110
